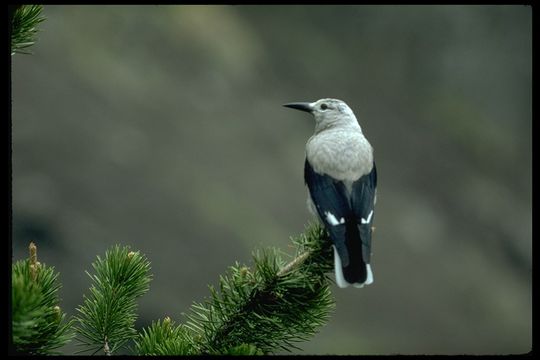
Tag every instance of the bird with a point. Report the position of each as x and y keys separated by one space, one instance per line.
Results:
x=341 y=177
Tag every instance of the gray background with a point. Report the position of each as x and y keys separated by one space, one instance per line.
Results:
x=161 y=127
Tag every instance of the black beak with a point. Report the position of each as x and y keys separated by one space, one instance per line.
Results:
x=304 y=106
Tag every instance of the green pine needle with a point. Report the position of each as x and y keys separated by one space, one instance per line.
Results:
x=106 y=319
x=24 y=27
x=270 y=307
x=163 y=338
x=244 y=349
x=39 y=325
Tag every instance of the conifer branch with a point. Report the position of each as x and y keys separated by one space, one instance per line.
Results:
x=164 y=338
x=38 y=324
x=270 y=307
x=24 y=27
x=293 y=264
x=256 y=310
x=106 y=319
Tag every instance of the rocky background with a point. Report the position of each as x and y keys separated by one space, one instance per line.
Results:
x=161 y=127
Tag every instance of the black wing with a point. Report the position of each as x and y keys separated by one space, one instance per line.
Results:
x=363 y=202
x=329 y=197
x=352 y=237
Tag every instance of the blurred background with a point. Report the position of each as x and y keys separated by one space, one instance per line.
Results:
x=161 y=127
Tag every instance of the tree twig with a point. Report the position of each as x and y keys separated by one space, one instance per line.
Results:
x=294 y=263
x=106 y=348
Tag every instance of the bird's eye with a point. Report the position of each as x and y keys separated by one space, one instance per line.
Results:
x=324 y=106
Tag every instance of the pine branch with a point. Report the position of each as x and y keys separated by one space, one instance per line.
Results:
x=23 y=27
x=107 y=317
x=257 y=310
x=295 y=263
x=163 y=338
x=39 y=325
x=271 y=307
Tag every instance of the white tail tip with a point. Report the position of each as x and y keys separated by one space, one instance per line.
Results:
x=338 y=270
x=369 y=279
x=340 y=279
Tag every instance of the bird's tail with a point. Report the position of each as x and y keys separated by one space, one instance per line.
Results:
x=357 y=272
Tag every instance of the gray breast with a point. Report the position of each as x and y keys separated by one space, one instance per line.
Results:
x=343 y=154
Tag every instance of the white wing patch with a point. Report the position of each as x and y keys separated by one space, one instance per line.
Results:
x=332 y=219
x=368 y=220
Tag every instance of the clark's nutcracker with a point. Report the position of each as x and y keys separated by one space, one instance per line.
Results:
x=341 y=177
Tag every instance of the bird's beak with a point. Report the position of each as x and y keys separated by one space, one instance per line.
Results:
x=304 y=106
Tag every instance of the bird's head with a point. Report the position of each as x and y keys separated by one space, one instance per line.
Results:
x=327 y=113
